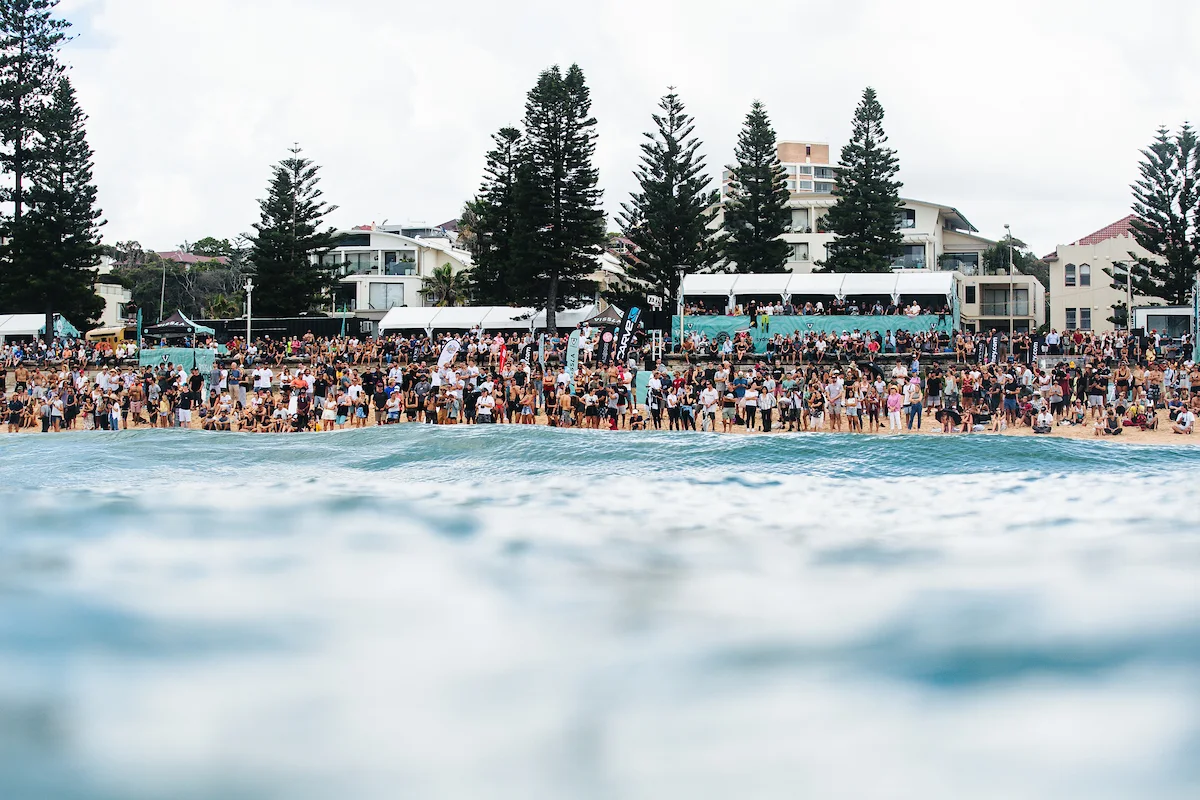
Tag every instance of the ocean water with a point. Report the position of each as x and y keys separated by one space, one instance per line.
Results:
x=507 y=612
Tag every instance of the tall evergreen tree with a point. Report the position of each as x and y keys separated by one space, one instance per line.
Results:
x=288 y=234
x=54 y=248
x=561 y=226
x=756 y=212
x=30 y=36
x=667 y=219
x=494 y=274
x=866 y=216
x=1165 y=200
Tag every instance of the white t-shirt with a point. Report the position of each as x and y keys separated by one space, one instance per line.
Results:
x=484 y=405
x=708 y=398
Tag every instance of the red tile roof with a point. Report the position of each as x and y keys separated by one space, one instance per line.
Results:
x=189 y=258
x=1119 y=228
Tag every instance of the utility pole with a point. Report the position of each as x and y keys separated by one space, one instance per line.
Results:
x=1012 y=300
x=249 y=309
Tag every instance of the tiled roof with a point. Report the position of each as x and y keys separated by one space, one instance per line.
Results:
x=1119 y=228
x=189 y=258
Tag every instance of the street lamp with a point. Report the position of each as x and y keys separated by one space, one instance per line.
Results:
x=249 y=296
x=681 y=269
x=1011 y=298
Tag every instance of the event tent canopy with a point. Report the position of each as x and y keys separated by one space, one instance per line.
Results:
x=34 y=325
x=833 y=284
x=493 y=318
x=178 y=325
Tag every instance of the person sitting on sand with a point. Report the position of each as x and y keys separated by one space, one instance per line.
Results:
x=1044 y=422
x=1110 y=425
x=1185 y=422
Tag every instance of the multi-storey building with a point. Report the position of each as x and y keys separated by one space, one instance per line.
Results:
x=936 y=238
x=1082 y=296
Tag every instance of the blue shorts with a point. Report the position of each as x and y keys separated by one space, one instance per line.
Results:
x=341 y=420
x=1010 y=405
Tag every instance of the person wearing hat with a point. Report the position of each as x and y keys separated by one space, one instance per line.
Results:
x=484 y=406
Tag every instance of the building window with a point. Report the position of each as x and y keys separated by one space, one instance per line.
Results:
x=1071 y=319
x=1021 y=302
x=804 y=170
x=971 y=295
x=912 y=256
x=1069 y=275
x=799 y=252
x=791 y=186
x=1085 y=275
x=824 y=188
x=805 y=186
x=331 y=259
x=354 y=240
x=808 y=149
x=791 y=169
x=966 y=263
x=907 y=218
x=385 y=295
x=799 y=220
x=823 y=172
x=1085 y=319
x=359 y=263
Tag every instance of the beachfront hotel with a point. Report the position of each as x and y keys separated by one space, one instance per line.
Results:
x=937 y=238
x=1082 y=296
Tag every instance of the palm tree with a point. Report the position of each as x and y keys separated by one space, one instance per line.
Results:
x=445 y=286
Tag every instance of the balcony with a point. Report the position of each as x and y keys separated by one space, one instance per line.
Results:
x=1020 y=309
x=909 y=262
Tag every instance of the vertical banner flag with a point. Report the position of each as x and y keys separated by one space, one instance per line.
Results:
x=503 y=355
x=981 y=352
x=625 y=335
x=1035 y=350
x=994 y=350
x=448 y=353
x=606 y=344
x=542 y=350
x=573 y=353
x=139 y=330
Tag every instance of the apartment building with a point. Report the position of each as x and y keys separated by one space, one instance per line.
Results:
x=1081 y=292
x=936 y=238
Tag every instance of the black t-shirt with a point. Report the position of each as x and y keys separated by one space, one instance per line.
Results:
x=320 y=386
x=380 y=398
x=1011 y=390
x=196 y=382
x=184 y=402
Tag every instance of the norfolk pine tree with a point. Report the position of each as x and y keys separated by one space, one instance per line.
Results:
x=560 y=225
x=756 y=212
x=288 y=233
x=1165 y=201
x=60 y=231
x=865 y=218
x=667 y=219
x=493 y=278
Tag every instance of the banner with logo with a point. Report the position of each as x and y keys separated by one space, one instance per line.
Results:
x=606 y=344
x=994 y=349
x=448 y=353
x=625 y=335
x=714 y=326
x=1035 y=350
x=573 y=353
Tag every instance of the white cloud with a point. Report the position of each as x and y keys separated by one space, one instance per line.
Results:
x=1030 y=113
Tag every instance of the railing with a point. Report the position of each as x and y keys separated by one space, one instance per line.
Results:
x=909 y=262
x=1019 y=309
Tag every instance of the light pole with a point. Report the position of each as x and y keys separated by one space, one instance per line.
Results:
x=1012 y=300
x=681 y=269
x=249 y=297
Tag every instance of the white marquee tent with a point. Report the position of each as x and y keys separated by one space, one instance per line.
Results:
x=32 y=325
x=893 y=284
x=489 y=318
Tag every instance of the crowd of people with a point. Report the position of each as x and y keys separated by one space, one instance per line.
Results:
x=805 y=382
x=837 y=306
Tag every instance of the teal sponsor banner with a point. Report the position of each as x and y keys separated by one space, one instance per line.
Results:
x=186 y=357
x=713 y=327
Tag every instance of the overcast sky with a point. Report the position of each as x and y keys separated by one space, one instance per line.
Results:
x=1032 y=113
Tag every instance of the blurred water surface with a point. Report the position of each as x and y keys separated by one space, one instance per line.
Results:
x=531 y=613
